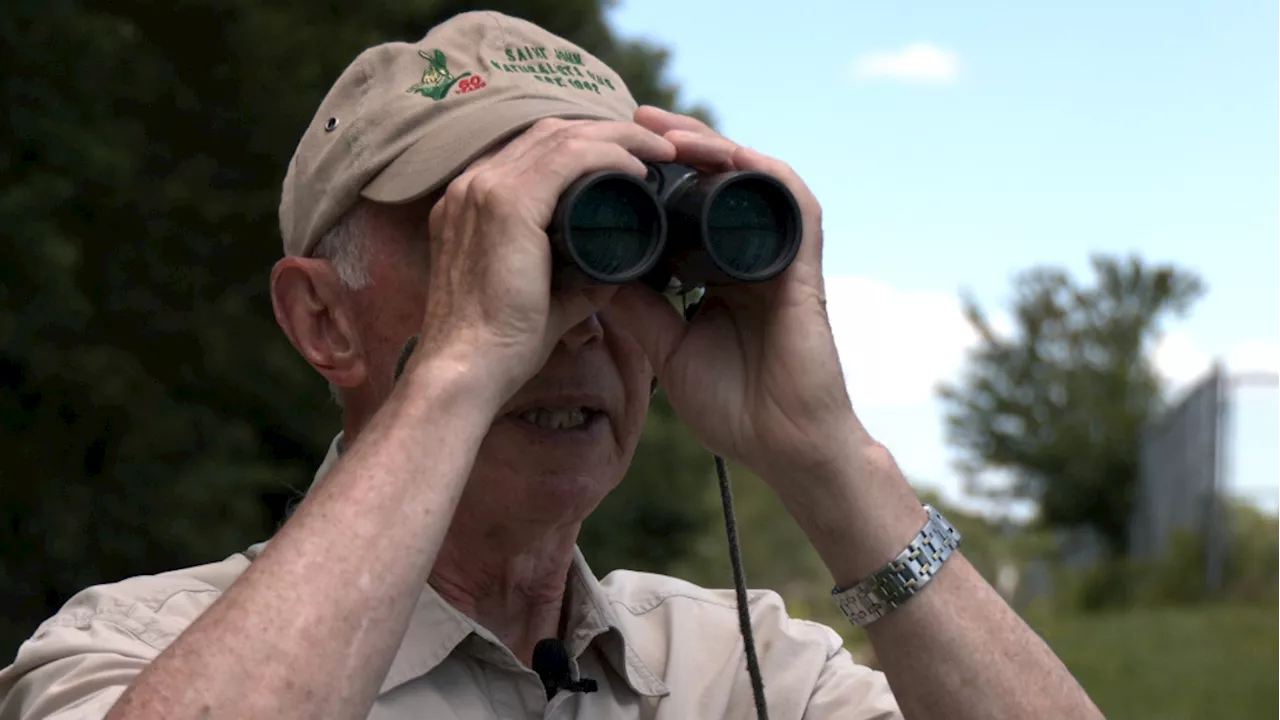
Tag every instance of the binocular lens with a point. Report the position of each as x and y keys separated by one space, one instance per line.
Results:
x=613 y=229
x=749 y=228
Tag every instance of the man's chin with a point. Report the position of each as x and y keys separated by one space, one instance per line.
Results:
x=558 y=474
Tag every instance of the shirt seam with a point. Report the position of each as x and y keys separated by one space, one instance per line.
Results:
x=120 y=616
x=112 y=617
x=185 y=591
x=661 y=598
x=827 y=631
x=832 y=649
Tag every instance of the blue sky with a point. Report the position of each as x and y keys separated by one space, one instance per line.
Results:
x=954 y=145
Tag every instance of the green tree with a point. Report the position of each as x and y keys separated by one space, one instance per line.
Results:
x=151 y=413
x=1059 y=403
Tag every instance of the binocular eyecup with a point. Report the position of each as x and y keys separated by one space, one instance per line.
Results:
x=696 y=228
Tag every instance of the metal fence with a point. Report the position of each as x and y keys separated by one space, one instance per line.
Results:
x=1181 y=486
x=1181 y=477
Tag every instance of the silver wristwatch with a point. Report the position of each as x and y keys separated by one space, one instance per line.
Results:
x=904 y=576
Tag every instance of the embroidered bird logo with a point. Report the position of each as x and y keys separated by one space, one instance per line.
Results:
x=436 y=78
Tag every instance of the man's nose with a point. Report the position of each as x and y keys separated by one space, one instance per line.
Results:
x=583 y=333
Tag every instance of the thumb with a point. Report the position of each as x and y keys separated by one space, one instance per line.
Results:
x=570 y=307
x=652 y=321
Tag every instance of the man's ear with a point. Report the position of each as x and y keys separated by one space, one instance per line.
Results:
x=309 y=304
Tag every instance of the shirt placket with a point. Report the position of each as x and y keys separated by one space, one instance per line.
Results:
x=515 y=691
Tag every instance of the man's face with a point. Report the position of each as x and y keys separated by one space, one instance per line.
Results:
x=564 y=440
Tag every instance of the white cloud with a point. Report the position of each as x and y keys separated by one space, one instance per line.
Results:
x=1179 y=360
x=1250 y=356
x=895 y=345
x=918 y=62
x=1182 y=362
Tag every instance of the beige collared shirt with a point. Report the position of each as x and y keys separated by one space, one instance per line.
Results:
x=659 y=648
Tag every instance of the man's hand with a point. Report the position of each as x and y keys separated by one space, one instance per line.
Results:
x=489 y=301
x=755 y=375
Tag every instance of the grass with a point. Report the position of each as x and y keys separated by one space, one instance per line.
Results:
x=1189 y=662
x=1181 y=663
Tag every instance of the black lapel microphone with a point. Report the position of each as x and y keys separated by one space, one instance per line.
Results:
x=551 y=662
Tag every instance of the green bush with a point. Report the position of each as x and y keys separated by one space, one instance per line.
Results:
x=1122 y=582
x=1253 y=557
x=1109 y=585
x=1176 y=579
x=1250 y=574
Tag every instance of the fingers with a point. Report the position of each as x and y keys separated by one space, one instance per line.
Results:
x=636 y=139
x=575 y=157
x=525 y=178
x=662 y=122
x=491 y=268
x=553 y=136
x=516 y=186
x=711 y=153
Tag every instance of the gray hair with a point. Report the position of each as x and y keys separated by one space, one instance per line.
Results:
x=346 y=247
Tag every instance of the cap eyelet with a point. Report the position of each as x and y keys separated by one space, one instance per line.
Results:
x=331 y=124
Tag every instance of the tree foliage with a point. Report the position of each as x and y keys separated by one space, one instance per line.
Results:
x=1059 y=403
x=152 y=415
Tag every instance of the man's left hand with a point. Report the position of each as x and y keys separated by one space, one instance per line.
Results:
x=755 y=374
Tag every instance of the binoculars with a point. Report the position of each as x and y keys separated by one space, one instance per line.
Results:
x=677 y=224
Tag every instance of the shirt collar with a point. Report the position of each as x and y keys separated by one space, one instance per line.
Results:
x=591 y=621
x=436 y=628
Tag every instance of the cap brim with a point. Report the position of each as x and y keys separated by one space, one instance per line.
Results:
x=440 y=155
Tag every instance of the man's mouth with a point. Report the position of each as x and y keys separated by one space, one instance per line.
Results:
x=559 y=418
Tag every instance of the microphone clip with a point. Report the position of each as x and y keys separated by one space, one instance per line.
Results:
x=551 y=663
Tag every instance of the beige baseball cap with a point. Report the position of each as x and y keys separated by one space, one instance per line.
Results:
x=403 y=119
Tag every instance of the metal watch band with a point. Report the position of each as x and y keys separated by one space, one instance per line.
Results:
x=895 y=583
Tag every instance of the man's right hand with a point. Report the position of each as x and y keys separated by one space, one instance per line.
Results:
x=489 y=298
x=383 y=510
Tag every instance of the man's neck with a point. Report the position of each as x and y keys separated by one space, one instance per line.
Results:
x=512 y=586
x=517 y=597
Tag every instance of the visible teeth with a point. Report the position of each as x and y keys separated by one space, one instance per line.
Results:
x=555 y=418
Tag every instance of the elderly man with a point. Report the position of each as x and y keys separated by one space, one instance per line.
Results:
x=438 y=545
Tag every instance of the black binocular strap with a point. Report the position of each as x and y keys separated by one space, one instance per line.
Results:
x=739 y=574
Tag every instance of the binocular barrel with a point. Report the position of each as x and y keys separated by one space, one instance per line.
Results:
x=702 y=229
